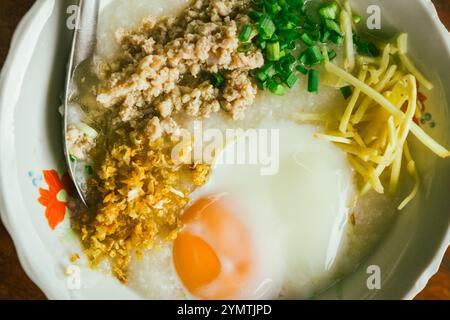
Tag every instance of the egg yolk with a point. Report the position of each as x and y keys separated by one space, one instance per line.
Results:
x=213 y=253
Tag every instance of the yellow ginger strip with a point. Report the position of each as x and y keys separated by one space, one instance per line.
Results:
x=411 y=68
x=412 y=105
x=346 y=27
x=352 y=133
x=365 y=61
x=333 y=138
x=392 y=132
x=359 y=166
x=398 y=96
x=411 y=167
x=395 y=79
x=394 y=50
x=347 y=134
x=366 y=154
x=395 y=171
x=368 y=100
x=386 y=104
x=388 y=155
x=429 y=142
x=367 y=118
x=375 y=181
x=351 y=105
x=384 y=64
x=359 y=140
x=402 y=42
x=349 y=10
x=380 y=140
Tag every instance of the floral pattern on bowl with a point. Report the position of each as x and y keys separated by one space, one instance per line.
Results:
x=55 y=198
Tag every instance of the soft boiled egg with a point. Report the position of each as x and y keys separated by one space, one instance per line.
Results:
x=253 y=236
x=214 y=254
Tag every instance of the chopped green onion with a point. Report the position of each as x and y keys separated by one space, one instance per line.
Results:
x=291 y=45
x=244 y=47
x=245 y=33
x=346 y=92
x=255 y=16
x=329 y=11
x=356 y=19
x=272 y=6
x=89 y=170
x=291 y=80
x=307 y=39
x=313 y=80
x=262 y=85
x=337 y=39
x=289 y=25
x=260 y=43
x=276 y=88
x=304 y=59
x=72 y=159
x=292 y=16
x=366 y=48
x=266 y=72
x=266 y=27
x=332 y=55
x=274 y=38
x=217 y=80
x=312 y=56
x=315 y=54
x=301 y=69
x=280 y=25
x=308 y=26
x=333 y=26
x=289 y=35
x=297 y=4
x=325 y=36
x=273 y=51
x=315 y=35
x=285 y=65
x=283 y=4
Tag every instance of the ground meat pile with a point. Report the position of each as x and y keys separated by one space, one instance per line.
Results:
x=167 y=63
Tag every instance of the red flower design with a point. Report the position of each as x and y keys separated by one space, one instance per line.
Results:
x=55 y=199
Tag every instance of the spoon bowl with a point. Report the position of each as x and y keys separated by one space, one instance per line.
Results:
x=83 y=47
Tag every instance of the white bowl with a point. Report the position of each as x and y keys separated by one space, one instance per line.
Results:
x=30 y=142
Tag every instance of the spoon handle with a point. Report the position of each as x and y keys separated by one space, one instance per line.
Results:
x=85 y=35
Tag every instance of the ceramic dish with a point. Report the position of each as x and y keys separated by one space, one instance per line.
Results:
x=31 y=158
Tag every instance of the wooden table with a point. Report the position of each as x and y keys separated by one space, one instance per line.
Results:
x=14 y=284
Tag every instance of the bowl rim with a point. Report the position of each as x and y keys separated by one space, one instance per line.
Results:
x=32 y=24
x=28 y=29
x=434 y=264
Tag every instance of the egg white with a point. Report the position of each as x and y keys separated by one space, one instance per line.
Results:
x=297 y=217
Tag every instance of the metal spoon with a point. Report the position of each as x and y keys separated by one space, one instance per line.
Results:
x=83 y=47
